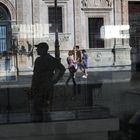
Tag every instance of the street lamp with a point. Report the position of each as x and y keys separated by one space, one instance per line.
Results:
x=57 y=51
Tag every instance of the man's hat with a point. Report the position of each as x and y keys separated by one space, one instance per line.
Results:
x=42 y=45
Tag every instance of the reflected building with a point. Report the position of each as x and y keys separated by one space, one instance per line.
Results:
x=109 y=32
x=106 y=29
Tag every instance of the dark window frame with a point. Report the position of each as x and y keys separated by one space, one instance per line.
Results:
x=51 y=19
x=94 y=34
x=5 y=29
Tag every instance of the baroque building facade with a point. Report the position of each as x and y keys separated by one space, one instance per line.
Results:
x=102 y=27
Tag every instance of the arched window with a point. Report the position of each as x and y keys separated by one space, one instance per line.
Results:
x=5 y=29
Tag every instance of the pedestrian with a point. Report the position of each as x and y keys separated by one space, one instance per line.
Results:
x=47 y=71
x=77 y=56
x=29 y=47
x=84 y=63
x=71 y=67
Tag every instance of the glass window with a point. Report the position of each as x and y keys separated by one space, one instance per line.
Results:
x=2 y=38
x=95 y=40
x=51 y=12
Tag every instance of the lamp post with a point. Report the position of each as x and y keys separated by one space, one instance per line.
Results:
x=114 y=48
x=57 y=51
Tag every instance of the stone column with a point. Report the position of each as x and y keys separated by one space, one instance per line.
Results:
x=36 y=11
x=19 y=11
x=125 y=20
x=117 y=19
x=121 y=18
x=121 y=45
x=77 y=8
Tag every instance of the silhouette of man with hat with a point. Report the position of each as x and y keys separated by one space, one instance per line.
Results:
x=47 y=72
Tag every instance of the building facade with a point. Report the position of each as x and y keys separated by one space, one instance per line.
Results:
x=102 y=27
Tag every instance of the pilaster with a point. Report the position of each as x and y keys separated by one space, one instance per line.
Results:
x=19 y=11
x=117 y=20
x=77 y=22
x=125 y=20
x=36 y=11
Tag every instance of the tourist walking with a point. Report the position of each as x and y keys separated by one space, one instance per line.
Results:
x=77 y=56
x=84 y=63
x=71 y=67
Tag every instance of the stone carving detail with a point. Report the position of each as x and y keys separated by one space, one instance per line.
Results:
x=109 y=3
x=62 y=38
x=96 y=3
x=98 y=57
x=84 y=3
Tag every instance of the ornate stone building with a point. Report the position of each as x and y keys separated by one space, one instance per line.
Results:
x=102 y=27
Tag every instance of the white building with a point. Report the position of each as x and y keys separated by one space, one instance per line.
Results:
x=101 y=27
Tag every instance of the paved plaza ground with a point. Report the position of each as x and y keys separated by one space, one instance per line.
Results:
x=114 y=93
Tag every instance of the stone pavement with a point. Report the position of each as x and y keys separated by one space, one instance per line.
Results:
x=113 y=90
x=93 y=77
x=122 y=79
x=120 y=96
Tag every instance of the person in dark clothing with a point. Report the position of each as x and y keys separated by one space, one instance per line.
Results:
x=47 y=72
x=29 y=46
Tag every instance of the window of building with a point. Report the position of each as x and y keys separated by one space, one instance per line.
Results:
x=51 y=15
x=2 y=38
x=95 y=40
x=4 y=29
